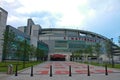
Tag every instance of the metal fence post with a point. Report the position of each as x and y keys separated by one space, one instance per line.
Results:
x=106 y=71
x=31 y=71
x=16 y=74
x=88 y=71
x=50 y=70
x=70 y=70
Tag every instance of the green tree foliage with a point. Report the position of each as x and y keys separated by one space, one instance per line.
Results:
x=89 y=50
x=39 y=54
x=108 y=48
x=32 y=52
x=97 y=49
x=77 y=53
x=8 y=45
x=20 y=50
x=23 y=50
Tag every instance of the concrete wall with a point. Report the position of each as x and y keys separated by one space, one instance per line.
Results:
x=34 y=34
x=22 y=28
x=3 y=19
x=29 y=26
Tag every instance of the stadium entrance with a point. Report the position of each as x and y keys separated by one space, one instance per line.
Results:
x=57 y=57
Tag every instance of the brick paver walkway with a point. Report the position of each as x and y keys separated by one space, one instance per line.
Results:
x=60 y=71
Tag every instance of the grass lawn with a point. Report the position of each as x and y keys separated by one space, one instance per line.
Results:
x=103 y=64
x=4 y=65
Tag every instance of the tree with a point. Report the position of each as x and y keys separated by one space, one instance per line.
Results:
x=88 y=51
x=108 y=49
x=5 y=44
x=20 y=49
x=23 y=50
x=32 y=52
x=8 y=45
x=39 y=54
x=78 y=54
x=97 y=49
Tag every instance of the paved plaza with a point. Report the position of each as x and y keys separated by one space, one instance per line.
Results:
x=60 y=71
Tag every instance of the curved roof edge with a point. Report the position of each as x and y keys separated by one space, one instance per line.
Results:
x=82 y=31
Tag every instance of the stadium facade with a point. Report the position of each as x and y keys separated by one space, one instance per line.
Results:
x=68 y=41
x=64 y=42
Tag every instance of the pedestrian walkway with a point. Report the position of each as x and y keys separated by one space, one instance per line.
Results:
x=4 y=76
x=61 y=69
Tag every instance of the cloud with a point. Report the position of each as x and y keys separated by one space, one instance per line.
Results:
x=16 y=21
x=100 y=16
x=45 y=19
x=104 y=13
x=68 y=11
x=10 y=5
x=67 y=8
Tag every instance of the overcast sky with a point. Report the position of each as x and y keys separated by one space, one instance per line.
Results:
x=99 y=16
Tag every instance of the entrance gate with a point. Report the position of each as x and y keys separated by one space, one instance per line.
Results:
x=57 y=57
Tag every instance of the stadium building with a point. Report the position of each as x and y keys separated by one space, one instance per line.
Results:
x=69 y=41
x=65 y=43
x=59 y=43
x=70 y=44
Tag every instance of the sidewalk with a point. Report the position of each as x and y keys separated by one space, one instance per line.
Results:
x=60 y=71
x=4 y=76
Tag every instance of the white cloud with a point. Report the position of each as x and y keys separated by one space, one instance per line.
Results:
x=12 y=18
x=73 y=12
x=9 y=1
x=49 y=5
x=69 y=9
x=17 y=21
x=91 y=13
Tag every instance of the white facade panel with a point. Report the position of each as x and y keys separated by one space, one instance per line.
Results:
x=3 y=19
